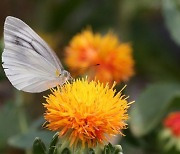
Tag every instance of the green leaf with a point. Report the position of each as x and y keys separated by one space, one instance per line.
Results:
x=171 y=12
x=52 y=150
x=91 y=151
x=52 y=147
x=9 y=122
x=24 y=141
x=66 y=151
x=106 y=150
x=55 y=151
x=118 y=149
x=149 y=108
x=38 y=146
x=110 y=149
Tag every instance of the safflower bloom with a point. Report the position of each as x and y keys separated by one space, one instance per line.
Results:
x=170 y=135
x=172 y=122
x=87 y=49
x=86 y=113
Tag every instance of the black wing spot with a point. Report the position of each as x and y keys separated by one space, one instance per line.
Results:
x=30 y=43
x=17 y=42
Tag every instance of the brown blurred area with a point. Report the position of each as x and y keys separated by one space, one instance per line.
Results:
x=22 y=9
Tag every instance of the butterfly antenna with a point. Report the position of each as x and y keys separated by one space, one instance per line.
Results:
x=82 y=68
x=90 y=66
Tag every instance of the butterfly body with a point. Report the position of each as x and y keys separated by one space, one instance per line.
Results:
x=29 y=63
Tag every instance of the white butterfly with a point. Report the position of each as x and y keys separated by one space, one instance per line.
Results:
x=29 y=63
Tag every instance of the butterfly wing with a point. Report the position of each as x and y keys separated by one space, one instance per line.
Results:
x=29 y=63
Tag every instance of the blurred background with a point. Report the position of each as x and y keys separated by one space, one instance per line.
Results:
x=153 y=29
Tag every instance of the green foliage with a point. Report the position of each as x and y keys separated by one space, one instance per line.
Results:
x=66 y=151
x=171 y=12
x=24 y=140
x=151 y=105
x=9 y=122
x=170 y=144
x=91 y=151
x=72 y=16
x=110 y=149
x=52 y=147
x=39 y=148
x=155 y=59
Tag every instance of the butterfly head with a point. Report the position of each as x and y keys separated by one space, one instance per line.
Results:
x=65 y=76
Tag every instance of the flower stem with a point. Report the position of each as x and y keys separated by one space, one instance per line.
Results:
x=23 y=124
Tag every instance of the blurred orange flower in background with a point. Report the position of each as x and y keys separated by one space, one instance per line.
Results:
x=172 y=122
x=87 y=49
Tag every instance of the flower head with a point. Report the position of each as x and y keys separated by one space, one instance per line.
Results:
x=172 y=122
x=115 y=58
x=86 y=113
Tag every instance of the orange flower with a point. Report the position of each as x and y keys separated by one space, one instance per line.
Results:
x=173 y=123
x=86 y=113
x=115 y=58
